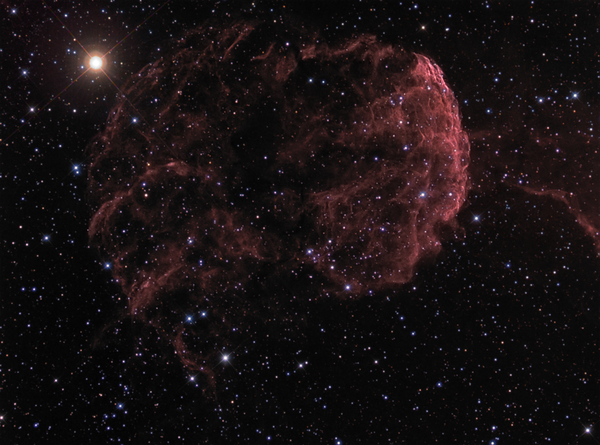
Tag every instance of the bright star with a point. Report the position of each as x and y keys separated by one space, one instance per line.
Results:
x=95 y=63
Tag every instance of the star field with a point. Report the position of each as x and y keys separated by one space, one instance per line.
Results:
x=492 y=338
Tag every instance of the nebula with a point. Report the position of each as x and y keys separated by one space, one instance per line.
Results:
x=549 y=164
x=257 y=163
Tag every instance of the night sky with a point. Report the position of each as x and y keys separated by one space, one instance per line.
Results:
x=279 y=223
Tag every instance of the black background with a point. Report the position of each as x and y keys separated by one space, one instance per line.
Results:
x=496 y=340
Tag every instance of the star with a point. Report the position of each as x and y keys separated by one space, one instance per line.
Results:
x=95 y=63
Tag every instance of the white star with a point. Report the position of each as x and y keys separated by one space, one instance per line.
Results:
x=95 y=63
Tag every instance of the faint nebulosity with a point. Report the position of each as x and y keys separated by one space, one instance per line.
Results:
x=333 y=222
x=263 y=158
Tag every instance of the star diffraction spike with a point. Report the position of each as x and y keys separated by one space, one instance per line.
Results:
x=95 y=63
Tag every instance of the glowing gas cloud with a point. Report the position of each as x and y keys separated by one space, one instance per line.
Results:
x=264 y=158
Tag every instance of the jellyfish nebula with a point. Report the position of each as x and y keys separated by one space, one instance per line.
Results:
x=257 y=163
